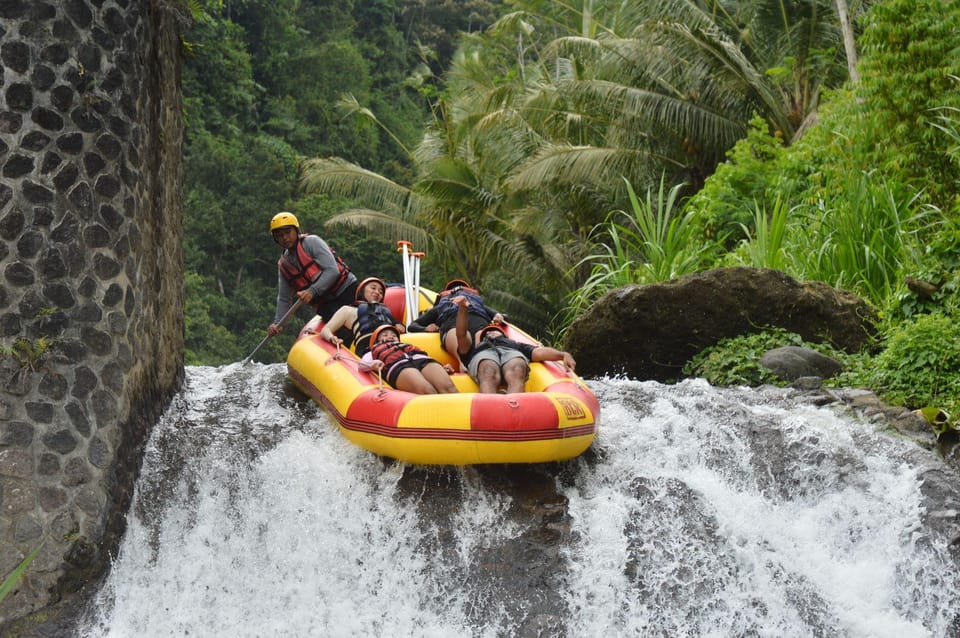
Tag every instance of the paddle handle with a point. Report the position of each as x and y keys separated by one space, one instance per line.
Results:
x=283 y=320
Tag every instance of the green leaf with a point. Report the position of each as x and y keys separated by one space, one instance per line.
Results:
x=14 y=577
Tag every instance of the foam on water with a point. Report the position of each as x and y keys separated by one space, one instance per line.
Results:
x=702 y=513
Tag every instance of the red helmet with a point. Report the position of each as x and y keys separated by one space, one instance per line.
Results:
x=493 y=326
x=386 y=326
x=456 y=283
x=368 y=280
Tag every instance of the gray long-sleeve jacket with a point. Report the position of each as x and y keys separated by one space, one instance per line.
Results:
x=321 y=253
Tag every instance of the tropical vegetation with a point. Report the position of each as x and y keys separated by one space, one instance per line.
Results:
x=549 y=152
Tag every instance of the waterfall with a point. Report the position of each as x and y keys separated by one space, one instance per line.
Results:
x=698 y=512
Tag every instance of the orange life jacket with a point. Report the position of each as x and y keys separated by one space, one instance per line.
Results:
x=307 y=270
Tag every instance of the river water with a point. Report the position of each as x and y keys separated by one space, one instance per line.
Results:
x=697 y=512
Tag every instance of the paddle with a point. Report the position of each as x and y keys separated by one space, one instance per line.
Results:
x=415 y=297
x=406 y=248
x=282 y=321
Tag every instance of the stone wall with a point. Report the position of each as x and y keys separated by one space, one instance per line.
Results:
x=91 y=272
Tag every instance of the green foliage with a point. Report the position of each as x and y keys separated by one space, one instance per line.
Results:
x=14 y=577
x=746 y=182
x=736 y=361
x=764 y=246
x=862 y=242
x=29 y=353
x=909 y=66
x=207 y=343
x=220 y=93
x=261 y=82
x=920 y=364
x=651 y=243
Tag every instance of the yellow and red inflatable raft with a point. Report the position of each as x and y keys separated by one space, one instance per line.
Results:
x=555 y=419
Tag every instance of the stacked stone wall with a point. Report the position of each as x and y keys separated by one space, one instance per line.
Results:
x=91 y=271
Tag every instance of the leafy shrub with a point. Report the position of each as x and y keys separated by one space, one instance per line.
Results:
x=909 y=66
x=862 y=241
x=29 y=353
x=746 y=182
x=736 y=361
x=920 y=365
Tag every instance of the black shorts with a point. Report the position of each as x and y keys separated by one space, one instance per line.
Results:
x=394 y=372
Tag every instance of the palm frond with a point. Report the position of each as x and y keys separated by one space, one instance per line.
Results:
x=337 y=176
x=571 y=164
x=380 y=223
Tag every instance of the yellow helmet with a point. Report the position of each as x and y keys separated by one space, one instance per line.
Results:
x=283 y=220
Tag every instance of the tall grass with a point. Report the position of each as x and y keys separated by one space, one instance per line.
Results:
x=650 y=243
x=863 y=242
x=763 y=246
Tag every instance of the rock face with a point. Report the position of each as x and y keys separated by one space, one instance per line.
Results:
x=651 y=331
x=91 y=271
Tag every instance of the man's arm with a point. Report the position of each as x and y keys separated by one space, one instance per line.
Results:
x=427 y=322
x=463 y=324
x=284 y=301
x=544 y=353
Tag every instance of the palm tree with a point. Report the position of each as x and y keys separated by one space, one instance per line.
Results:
x=670 y=85
x=455 y=207
x=548 y=114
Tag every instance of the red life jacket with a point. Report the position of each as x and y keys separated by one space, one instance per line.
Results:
x=307 y=270
x=391 y=352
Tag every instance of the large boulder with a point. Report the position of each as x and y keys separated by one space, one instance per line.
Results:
x=795 y=362
x=651 y=331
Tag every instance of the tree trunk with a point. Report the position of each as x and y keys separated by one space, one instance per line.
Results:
x=849 y=44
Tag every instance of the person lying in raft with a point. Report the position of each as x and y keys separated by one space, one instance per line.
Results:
x=493 y=359
x=442 y=317
x=406 y=366
x=362 y=318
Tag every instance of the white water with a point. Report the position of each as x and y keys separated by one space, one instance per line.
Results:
x=255 y=517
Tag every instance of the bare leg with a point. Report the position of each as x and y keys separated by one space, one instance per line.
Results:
x=488 y=376
x=412 y=380
x=515 y=372
x=439 y=378
x=450 y=345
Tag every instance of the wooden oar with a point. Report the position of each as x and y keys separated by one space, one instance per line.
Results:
x=282 y=321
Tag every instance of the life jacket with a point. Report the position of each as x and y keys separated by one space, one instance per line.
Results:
x=392 y=352
x=369 y=317
x=307 y=270
x=457 y=291
x=447 y=310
